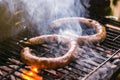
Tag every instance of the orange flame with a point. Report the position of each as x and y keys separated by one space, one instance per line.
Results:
x=31 y=74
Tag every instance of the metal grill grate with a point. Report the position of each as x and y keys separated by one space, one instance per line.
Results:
x=11 y=65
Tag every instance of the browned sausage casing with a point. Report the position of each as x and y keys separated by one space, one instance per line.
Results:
x=95 y=38
x=49 y=63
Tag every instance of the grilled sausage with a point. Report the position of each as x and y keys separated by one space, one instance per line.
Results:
x=95 y=38
x=49 y=63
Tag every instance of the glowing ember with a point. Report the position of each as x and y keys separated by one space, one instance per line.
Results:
x=34 y=70
x=31 y=74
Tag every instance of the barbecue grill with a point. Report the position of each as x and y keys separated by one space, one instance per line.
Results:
x=101 y=66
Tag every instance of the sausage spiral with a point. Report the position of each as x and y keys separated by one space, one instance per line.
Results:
x=48 y=63
x=59 y=62
x=95 y=38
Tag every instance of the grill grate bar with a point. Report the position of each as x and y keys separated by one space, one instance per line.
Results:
x=112 y=34
x=110 y=46
x=9 y=51
x=100 y=49
x=96 y=58
x=75 y=67
x=79 y=69
x=118 y=37
x=113 y=30
x=10 y=47
x=3 y=70
x=110 y=37
x=64 y=76
x=113 y=40
x=11 y=72
x=14 y=70
x=116 y=46
x=75 y=62
x=101 y=64
x=73 y=71
x=9 y=56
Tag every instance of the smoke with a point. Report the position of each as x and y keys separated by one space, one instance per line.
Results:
x=10 y=21
x=39 y=14
x=43 y=12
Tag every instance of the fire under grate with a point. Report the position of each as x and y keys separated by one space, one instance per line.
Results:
x=83 y=67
